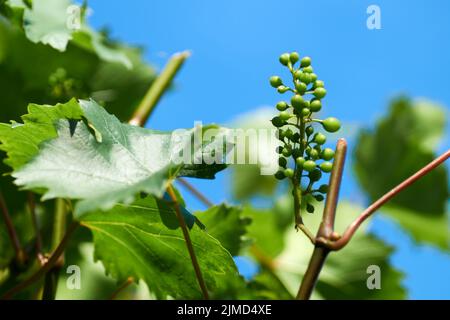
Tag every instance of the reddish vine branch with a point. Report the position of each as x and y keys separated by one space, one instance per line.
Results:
x=348 y=234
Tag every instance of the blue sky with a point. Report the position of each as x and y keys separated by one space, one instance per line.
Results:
x=235 y=46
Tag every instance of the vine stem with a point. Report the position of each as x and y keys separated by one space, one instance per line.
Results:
x=122 y=287
x=20 y=253
x=350 y=231
x=157 y=89
x=190 y=247
x=46 y=267
x=34 y=220
x=320 y=252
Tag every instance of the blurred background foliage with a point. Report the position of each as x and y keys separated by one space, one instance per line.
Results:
x=42 y=61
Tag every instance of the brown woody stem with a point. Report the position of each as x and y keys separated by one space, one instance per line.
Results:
x=326 y=228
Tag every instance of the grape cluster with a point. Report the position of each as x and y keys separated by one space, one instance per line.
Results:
x=295 y=122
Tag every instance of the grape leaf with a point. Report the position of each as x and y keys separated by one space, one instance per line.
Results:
x=143 y=240
x=227 y=224
x=98 y=160
x=344 y=274
x=402 y=143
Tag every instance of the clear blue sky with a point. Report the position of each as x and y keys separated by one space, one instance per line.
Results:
x=235 y=45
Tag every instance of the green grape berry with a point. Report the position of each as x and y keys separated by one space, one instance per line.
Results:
x=304 y=77
x=309 y=208
x=315 y=105
x=327 y=154
x=300 y=87
x=280 y=135
x=286 y=152
x=308 y=69
x=326 y=166
x=289 y=173
x=294 y=57
x=281 y=106
x=314 y=154
x=297 y=101
x=315 y=175
x=280 y=175
x=288 y=133
x=305 y=112
x=309 y=165
x=275 y=81
x=309 y=130
x=284 y=59
x=319 y=197
x=279 y=149
x=296 y=152
x=320 y=92
x=318 y=84
x=323 y=189
x=277 y=122
x=284 y=115
x=300 y=161
x=282 y=162
x=305 y=62
x=295 y=138
x=320 y=138
x=282 y=89
x=313 y=77
x=331 y=124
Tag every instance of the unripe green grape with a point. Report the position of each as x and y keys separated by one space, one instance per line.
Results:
x=304 y=77
x=284 y=115
x=297 y=101
x=313 y=77
x=281 y=106
x=305 y=112
x=315 y=175
x=294 y=57
x=309 y=165
x=327 y=154
x=288 y=133
x=320 y=138
x=280 y=135
x=318 y=84
x=323 y=188
x=326 y=166
x=275 y=81
x=315 y=105
x=289 y=173
x=308 y=69
x=295 y=138
x=282 y=89
x=305 y=62
x=320 y=92
x=300 y=161
x=309 y=130
x=314 y=154
x=319 y=197
x=296 y=153
x=309 y=208
x=284 y=59
x=282 y=162
x=318 y=148
x=280 y=175
x=277 y=122
x=279 y=149
x=331 y=124
x=301 y=87
x=286 y=152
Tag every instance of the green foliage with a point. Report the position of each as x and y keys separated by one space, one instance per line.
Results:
x=401 y=144
x=226 y=224
x=144 y=240
x=98 y=160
